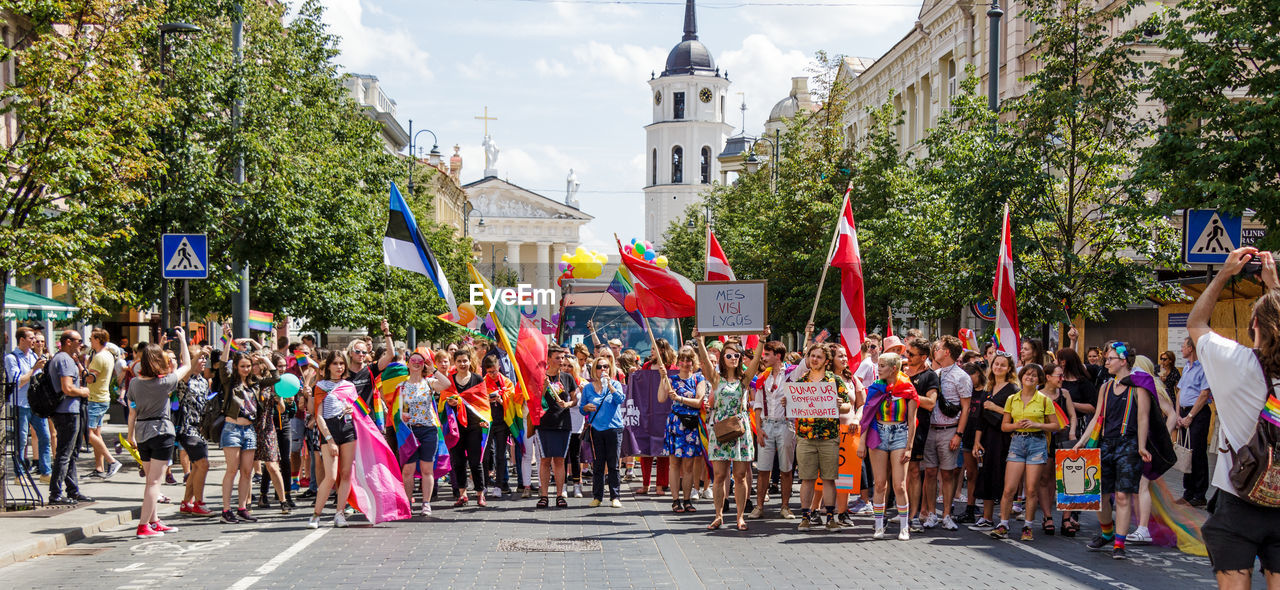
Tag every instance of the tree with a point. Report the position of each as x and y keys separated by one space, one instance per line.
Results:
x=1217 y=146
x=1085 y=233
x=78 y=112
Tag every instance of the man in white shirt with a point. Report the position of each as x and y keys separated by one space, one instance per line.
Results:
x=866 y=372
x=942 y=446
x=1239 y=530
x=777 y=434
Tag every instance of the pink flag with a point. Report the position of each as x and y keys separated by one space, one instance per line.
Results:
x=376 y=487
x=717 y=263
x=848 y=258
x=660 y=292
x=1007 y=336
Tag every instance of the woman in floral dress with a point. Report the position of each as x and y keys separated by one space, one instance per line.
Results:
x=730 y=382
x=682 y=443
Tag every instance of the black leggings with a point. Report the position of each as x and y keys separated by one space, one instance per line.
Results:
x=283 y=440
x=575 y=458
x=468 y=453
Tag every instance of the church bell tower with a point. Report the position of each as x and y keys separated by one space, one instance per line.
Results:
x=687 y=132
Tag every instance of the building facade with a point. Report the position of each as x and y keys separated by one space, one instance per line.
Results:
x=687 y=133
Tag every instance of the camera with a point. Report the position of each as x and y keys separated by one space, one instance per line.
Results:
x=171 y=333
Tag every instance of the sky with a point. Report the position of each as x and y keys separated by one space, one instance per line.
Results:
x=568 y=80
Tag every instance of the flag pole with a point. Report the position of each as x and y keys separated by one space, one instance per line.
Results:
x=706 y=253
x=835 y=235
x=1004 y=219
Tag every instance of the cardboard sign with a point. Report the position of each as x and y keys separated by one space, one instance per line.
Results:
x=812 y=400
x=1079 y=479
x=731 y=307
x=849 y=469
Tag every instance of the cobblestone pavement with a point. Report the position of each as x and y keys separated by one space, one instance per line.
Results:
x=642 y=545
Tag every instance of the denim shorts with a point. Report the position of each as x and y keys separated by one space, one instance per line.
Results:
x=1028 y=447
x=96 y=411
x=237 y=436
x=893 y=435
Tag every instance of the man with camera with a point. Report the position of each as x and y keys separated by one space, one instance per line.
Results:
x=947 y=423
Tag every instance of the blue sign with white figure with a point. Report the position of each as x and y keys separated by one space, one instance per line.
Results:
x=1209 y=235
x=184 y=256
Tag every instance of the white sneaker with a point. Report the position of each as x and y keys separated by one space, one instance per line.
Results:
x=879 y=534
x=339 y=521
x=904 y=535
x=615 y=503
x=426 y=510
x=313 y=522
x=757 y=513
x=1139 y=536
x=931 y=521
x=787 y=513
x=949 y=524
x=577 y=490
x=693 y=495
x=982 y=525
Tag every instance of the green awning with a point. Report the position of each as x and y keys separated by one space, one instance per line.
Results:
x=25 y=306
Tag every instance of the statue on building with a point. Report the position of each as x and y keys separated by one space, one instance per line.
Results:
x=490 y=157
x=571 y=185
x=455 y=164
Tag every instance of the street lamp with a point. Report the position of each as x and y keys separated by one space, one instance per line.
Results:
x=433 y=157
x=993 y=57
x=493 y=259
x=467 y=208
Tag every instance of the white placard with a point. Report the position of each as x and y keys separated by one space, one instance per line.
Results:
x=732 y=307
x=812 y=400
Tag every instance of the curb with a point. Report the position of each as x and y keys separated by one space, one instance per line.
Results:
x=48 y=543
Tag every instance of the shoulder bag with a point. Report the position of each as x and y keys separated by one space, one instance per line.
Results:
x=1255 y=471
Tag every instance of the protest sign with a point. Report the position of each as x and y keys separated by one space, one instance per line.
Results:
x=812 y=400
x=731 y=307
x=1079 y=479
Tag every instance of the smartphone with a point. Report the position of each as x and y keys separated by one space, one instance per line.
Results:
x=171 y=333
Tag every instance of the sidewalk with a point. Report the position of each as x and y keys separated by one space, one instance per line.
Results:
x=116 y=502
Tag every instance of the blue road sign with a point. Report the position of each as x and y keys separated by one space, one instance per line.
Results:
x=1209 y=235
x=184 y=256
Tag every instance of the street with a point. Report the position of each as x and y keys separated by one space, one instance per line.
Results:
x=642 y=545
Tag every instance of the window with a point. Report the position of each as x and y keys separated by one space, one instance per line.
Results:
x=705 y=165
x=952 y=88
x=677 y=163
x=678 y=105
x=654 y=173
x=721 y=108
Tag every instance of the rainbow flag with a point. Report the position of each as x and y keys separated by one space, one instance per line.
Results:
x=397 y=373
x=260 y=321
x=376 y=488
x=391 y=378
x=230 y=342
x=512 y=404
x=300 y=358
x=1271 y=410
x=968 y=339
x=507 y=322
x=620 y=287
x=1063 y=421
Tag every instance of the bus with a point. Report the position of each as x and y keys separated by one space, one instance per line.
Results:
x=586 y=300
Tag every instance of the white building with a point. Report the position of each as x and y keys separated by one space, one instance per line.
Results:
x=687 y=133
x=367 y=92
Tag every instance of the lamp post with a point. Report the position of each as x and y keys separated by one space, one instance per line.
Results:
x=467 y=208
x=240 y=303
x=433 y=157
x=165 y=30
x=493 y=259
x=773 y=161
x=993 y=58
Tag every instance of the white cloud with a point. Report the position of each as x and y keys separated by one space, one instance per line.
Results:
x=550 y=68
x=629 y=64
x=846 y=29
x=762 y=72
x=479 y=67
x=376 y=50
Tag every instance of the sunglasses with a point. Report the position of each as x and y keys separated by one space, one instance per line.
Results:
x=601 y=367
x=1004 y=354
x=731 y=355
x=360 y=352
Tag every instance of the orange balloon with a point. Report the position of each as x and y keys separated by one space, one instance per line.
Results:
x=466 y=313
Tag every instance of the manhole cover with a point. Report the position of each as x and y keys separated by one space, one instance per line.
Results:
x=80 y=551
x=548 y=545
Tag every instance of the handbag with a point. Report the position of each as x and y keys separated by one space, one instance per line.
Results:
x=688 y=421
x=729 y=430
x=1255 y=471
x=1182 y=449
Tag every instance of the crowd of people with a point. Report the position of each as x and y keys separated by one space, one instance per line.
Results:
x=936 y=426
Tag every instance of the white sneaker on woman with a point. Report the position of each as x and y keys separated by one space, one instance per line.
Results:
x=426 y=510
x=339 y=521
x=577 y=490
x=314 y=522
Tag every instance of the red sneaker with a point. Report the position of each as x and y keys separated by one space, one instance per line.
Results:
x=160 y=527
x=185 y=508
x=146 y=532
x=200 y=510
x=304 y=483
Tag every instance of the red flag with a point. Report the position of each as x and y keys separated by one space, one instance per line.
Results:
x=660 y=292
x=717 y=263
x=848 y=258
x=531 y=355
x=889 y=330
x=1007 y=336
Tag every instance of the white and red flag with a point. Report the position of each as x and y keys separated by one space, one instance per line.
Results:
x=660 y=292
x=717 y=263
x=848 y=258
x=1006 y=336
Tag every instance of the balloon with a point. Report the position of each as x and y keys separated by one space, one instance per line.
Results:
x=648 y=245
x=629 y=302
x=466 y=313
x=633 y=241
x=288 y=386
x=601 y=258
x=564 y=258
x=661 y=261
x=488 y=324
x=564 y=266
x=555 y=318
x=640 y=249
x=649 y=255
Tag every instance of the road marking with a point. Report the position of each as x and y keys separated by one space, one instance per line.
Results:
x=129 y=568
x=1100 y=577
x=278 y=560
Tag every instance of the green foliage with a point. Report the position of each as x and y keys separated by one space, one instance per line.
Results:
x=84 y=110
x=1217 y=146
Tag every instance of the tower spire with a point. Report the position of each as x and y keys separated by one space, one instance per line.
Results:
x=690 y=22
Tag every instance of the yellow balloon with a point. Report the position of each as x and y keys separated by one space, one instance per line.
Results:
x=661 y=261
x=565 y=258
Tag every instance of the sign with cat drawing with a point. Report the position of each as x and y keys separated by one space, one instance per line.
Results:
x=1079 y=479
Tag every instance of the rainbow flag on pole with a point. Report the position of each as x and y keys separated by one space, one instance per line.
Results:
x=260 y=321
x=228 y=341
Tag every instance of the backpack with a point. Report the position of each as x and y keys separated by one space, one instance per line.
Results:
x=212 y=418
x=1255 y=468
x=41 y=395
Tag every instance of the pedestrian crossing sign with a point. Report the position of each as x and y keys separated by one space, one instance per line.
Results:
x=184 y=256
x=1209 y=235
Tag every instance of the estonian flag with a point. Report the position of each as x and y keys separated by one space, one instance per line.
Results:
x=404 y=247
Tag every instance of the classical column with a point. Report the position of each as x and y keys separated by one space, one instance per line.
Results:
x=513 y=260
x=542 y=279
